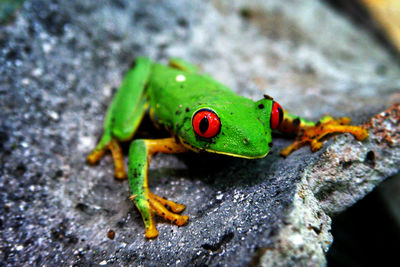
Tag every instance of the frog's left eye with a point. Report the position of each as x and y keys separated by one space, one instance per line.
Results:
x=276 y=115
x=206 y=123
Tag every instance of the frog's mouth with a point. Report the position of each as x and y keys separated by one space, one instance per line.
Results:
x=236 y=155
x=196 y=149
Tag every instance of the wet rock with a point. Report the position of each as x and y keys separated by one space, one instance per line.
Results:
x=60 y=63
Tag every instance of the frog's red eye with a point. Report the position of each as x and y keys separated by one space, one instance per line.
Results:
x=276 y=115
x=206 y=123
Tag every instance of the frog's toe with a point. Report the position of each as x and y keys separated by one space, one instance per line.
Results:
x=120 y=174
x=151 y=232
x=159 y=208
x=315 y=145
x=95 y=156
x=175 y=207
x=292 y=147
x=361 y=134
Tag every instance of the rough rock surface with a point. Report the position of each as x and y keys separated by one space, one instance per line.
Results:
x=59 y=64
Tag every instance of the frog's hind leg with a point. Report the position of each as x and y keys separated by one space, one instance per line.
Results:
x=124 y=115
x=140 y=154
x=311 y=133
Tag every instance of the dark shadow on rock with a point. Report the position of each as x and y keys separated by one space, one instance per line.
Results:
x=365 y=234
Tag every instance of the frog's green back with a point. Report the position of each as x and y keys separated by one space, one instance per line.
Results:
x=174 y=96
x=174 y=85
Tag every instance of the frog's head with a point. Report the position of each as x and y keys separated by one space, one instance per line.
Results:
x=239 y=128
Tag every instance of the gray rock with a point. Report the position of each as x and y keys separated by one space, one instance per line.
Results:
x=59 y=65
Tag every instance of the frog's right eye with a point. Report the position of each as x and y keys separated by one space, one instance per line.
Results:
x=206 y=123
x=276 y=115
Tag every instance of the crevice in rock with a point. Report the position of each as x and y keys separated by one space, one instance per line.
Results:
x=226 y=238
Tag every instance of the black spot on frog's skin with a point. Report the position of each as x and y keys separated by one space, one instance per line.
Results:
x=187 y=109
x=204 y=124
x=177 y=112
x=268 y=97
x=296 y=121
x=246 y=141
x=261 y=106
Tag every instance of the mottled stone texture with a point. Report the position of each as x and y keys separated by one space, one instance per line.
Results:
x=60 y=62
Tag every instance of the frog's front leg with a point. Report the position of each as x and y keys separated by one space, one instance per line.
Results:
x=140 y=154
x=312 y=133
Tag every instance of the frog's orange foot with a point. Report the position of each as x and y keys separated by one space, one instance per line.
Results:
x=159 y=206
x=151 y=232
x=175 y=207
x=327 y=125
x=116 y=152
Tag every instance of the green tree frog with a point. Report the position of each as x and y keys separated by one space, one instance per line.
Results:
x=201 y=114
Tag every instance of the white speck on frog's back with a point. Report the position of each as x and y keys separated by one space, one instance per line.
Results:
x=180 y=78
